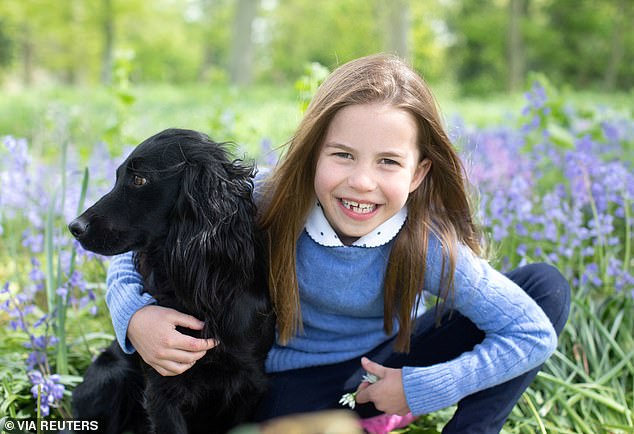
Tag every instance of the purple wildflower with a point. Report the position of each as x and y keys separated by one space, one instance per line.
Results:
x=48 y=388
x=536 y=98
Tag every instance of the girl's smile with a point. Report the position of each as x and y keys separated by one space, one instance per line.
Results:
x=358 y=210
x=367 y=166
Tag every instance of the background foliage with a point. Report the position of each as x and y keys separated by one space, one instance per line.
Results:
x=485 y=45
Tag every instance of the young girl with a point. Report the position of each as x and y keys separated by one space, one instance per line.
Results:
x=366 y=210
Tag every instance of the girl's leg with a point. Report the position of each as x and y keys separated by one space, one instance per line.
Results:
x=486 y=411
x=305 y=390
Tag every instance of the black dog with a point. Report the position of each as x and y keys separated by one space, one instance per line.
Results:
x=186 y=211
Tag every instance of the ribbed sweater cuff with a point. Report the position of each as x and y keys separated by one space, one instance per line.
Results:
x=428 y=389
x=122 y=308
x=124 y=296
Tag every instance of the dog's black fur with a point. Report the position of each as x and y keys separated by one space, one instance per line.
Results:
x=186 y=211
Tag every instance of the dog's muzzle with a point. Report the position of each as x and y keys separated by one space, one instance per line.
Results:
x=78 y=227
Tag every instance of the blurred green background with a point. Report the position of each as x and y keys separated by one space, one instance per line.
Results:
x=121 y=70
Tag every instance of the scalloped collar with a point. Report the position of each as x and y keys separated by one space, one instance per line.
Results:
x=319 y=229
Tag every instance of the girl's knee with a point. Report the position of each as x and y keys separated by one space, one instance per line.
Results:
x=557 y=297
x=551 y=290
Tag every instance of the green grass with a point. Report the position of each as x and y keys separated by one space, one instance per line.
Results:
x=83 y=115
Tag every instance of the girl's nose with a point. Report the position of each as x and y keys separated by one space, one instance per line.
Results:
x=361 y=180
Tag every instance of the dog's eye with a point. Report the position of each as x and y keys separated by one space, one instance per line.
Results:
x=138 y=180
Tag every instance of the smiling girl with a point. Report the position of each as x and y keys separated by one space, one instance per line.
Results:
x=367 y=166
x=366 y=213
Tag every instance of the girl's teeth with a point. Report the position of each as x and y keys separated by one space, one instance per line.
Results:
x=359 y=208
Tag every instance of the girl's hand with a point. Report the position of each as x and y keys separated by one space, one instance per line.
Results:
x=387 y=393
x=152 y=332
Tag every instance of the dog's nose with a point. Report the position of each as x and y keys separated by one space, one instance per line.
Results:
x=78 y=227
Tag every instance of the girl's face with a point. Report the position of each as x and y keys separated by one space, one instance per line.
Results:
x=367 y=166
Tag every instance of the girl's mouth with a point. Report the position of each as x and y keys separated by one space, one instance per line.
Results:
x=365 y=209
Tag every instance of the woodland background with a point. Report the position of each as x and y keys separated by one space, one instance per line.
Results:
x=483 y=45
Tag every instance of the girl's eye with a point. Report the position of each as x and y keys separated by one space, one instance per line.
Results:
x=389 y=162
x=345 y=155
x=138 y=180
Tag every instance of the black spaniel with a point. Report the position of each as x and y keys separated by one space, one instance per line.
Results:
x=186 y=210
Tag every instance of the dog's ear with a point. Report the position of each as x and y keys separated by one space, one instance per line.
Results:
x=211 y=240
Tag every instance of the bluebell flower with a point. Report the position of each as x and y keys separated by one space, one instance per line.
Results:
x=36 y=359
x=76 y=280
x=33 y=241
x=62 y=292
x=17 y=324
x=536 y=96
x=42 y=320
x=49 y=390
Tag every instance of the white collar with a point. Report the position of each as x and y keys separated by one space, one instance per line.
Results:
x=319 y=229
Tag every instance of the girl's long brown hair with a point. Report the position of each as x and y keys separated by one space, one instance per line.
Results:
x=440 y=204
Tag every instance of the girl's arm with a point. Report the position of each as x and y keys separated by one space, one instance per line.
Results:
x=124 y=296
x=149 y=329
x=518 y=335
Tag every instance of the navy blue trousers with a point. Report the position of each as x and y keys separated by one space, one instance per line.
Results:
x=319 y=388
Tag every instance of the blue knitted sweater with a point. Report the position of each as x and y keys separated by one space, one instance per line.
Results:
x=341 y=296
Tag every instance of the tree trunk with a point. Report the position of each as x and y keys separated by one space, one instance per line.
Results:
x=27 y=56
x=208 y=54
x=107 y=55
x=397 y=37
x=241 y=59
x=616 y=47
x=71 y=64
x=515 y=45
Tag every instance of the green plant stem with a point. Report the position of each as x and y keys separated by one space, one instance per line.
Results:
x=62 y=302
x=536 y=415
x=60 y=330
x=602 y=247
x=39 y=406
x=628 y=235
x=48 y=249
x=576 y=418
x=610 y=403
